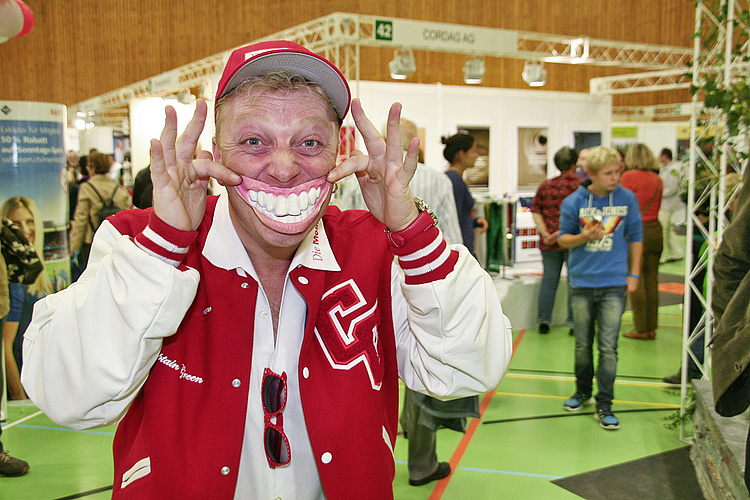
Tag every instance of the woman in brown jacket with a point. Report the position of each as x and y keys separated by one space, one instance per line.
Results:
x=86 y=219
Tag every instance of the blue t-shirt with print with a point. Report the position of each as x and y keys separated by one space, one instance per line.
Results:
x=601 y=263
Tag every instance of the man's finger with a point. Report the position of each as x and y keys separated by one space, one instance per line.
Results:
x=206 y=167
x=169 y=136
x=204 y=155
x=188 y=141
x=410 y=161
x=159 y=175
x=355 y=163
x=370 y=135
x=393 y=151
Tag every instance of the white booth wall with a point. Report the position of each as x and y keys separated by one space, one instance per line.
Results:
x=147 y=117
x=96 y=137
x=442 y=109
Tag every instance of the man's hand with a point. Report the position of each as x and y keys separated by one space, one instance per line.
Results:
x=550 y=238
x=180 y=181
x=384 y=174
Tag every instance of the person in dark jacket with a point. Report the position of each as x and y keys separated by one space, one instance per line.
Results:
x=730 y=376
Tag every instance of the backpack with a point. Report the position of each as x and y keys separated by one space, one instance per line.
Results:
x=108 y=207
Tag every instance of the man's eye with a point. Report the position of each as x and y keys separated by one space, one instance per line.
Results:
x=310 y=143
x=253 y=142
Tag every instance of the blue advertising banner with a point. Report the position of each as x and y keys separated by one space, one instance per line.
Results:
x=32 y=157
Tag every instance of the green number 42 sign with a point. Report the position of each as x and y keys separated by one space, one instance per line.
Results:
x=383 y=30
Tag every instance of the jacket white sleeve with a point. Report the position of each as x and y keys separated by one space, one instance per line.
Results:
x=451 y=335
x=89 y=348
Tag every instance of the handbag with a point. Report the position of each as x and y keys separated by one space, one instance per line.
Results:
x=21 y=259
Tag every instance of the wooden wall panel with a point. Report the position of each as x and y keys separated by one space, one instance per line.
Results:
x=82 y=48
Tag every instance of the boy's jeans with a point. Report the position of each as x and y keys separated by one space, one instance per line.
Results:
x=603 y=308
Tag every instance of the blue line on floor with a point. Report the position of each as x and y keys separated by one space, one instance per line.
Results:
x=509 y=473
x=65 y=429
x=506 y=472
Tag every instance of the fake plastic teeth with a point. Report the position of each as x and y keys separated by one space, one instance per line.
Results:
x=280 y=206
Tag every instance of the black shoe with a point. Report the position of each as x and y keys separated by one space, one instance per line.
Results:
x=11 y=466
x=443 y=470
x=571 y=332
x=676 y=379
x=543 y=328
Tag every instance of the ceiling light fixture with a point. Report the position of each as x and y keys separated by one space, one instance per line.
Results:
x=534 y=73
x=474 y=71
x=403 y=64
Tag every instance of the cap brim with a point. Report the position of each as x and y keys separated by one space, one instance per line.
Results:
x=308 y=66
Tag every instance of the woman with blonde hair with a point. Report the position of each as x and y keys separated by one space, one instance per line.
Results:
x=25 y=214
x=642 y=177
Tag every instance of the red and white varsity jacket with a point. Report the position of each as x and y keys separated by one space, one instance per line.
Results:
x=91 y=352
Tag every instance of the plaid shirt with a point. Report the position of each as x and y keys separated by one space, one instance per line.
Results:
x=549 y=196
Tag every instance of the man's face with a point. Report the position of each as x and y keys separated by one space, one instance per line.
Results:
x=582 y=158
x=606 y=179
x=282 y=144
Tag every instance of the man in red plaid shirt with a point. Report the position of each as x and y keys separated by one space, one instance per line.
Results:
x=546 y=209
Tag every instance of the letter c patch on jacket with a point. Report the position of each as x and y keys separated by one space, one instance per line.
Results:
x=347 y=329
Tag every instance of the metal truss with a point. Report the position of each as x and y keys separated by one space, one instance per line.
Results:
x=339 y=37
x=707 y=184
x=584 y=50
x=641 y=82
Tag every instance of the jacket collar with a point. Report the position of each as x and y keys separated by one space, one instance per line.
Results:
x=224 y=248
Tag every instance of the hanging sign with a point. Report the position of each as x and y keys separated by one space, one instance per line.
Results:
x=449 y=37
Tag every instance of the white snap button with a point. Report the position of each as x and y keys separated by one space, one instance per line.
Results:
x=305 y=372
x=303 y=280
x=244 y=285
x=326 y=458
x=236 y=383
x=263 y=314
x=225 y=470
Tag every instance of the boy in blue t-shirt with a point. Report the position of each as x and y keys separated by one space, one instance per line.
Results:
x=600 y=224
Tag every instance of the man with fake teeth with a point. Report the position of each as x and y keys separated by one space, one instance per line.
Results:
x=251 y=347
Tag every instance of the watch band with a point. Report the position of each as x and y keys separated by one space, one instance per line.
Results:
x=420 y=224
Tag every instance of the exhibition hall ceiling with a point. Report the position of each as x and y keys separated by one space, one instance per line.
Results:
x=80 y=49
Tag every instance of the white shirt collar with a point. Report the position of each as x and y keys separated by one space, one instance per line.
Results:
x=224 y=248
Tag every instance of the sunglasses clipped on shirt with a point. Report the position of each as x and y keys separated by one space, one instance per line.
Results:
x=273 y=395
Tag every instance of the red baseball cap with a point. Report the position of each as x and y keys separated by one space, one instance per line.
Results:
x=265 y=57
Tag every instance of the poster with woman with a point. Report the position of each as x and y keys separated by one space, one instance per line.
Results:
x=32 y=154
